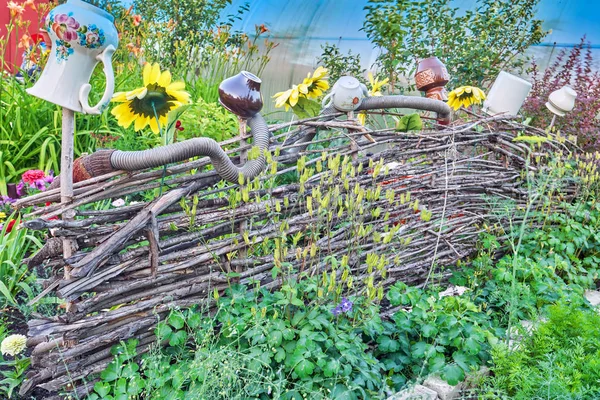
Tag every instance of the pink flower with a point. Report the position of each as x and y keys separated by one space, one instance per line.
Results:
x=65 y=27
x=91 y=38
x=33 y=175
x=137 y=20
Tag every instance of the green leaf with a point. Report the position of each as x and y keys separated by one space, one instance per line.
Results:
x=164 y=331
x=387 y=345
x=453 y=374
x=280 y=355
x=194 y=320
x=176 y=320
x=428 y=330
x=178 y=338
x=306 y=108
x=111 y=373
x=274 y=338
x=472 y=346
x=331 y=368
x=102 y=388
x=304 y=368
x=410 y=122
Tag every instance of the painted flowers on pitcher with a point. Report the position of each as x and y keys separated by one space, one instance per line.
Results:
x=68 y=30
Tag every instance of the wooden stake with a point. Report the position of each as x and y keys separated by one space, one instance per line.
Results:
x=66 y=183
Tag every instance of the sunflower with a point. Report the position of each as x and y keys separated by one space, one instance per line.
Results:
x=311 y=87
x=465 y=96
x=375 y=90
x=150 y=104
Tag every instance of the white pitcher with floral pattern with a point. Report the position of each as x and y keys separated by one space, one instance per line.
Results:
x=82 y=35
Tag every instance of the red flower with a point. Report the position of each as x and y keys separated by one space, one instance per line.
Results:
x=53 y=218
x=10 y=225
x=33 y=175
x=178 y=126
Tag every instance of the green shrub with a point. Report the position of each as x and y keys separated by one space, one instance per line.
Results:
x=560 y=360
x=474 y=45
x=448 y=335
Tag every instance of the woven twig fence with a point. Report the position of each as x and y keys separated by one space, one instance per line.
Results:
x=417 y=200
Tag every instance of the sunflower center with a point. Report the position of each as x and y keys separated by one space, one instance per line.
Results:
x=156 y=100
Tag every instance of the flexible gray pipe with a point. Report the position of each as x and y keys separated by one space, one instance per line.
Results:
x=442 y=110
x=138 y=160
x=418 y=103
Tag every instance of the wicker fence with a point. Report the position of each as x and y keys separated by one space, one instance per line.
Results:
x=418 y=199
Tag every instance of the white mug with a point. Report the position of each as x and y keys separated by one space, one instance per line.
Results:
x=346 y=94
x=82 y=35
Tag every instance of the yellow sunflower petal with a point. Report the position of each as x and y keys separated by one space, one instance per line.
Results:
x=154 y=73
x=146 y=73
x=282 y=98
x=140 y=93
x=294 y=96
x=153 y=125
x=180 y=95
x=319 y=73
x=119 y=97
x=179 y=85
x=140 y=123
x=362 y=118
x=468 y=89
x=165 y=79
x=302 y=88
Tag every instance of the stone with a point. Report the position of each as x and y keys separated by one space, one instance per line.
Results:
x=593 y=296
x=444 y=390
x=417 y=392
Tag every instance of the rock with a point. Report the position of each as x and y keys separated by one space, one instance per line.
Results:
x=442 y=388
x=453 y=291
x=417 y=392
x=593 y=296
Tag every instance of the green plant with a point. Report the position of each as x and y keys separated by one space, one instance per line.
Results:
x=12 y=371
x=431 y=334
x=474 y=45
x=288 y=344
x=559 y=360
x=339 y=64
x=15 y=244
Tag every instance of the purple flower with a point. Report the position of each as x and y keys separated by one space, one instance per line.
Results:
x=40 y=184
x=50 y=177
x=21 y=189
x=345 y=305
x=336 y=311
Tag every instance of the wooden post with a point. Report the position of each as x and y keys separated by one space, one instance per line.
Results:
x=66 y=180
x=243 y=159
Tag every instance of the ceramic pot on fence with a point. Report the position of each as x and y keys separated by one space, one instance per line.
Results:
x=240 y=94
x=346 y=94
x=81 y=35
x=562 y=101
x=431 y=77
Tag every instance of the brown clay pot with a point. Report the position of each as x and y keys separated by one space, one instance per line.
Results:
x=240 y=94
x=431 y=77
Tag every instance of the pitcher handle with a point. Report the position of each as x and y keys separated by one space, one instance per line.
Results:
x=105 y=58
x=324 y=102
x=364 y=89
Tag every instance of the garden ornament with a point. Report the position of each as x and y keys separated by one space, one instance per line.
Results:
x=346 y=94
x=506 y=95
x=240 y=94
x=431 y=77
x=81 y=35
x=562 y=101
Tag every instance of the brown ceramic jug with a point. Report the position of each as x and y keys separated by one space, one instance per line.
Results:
x=431 y=77
x=240 y=94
